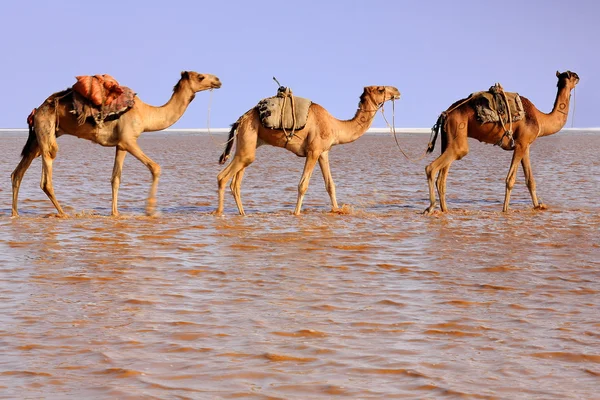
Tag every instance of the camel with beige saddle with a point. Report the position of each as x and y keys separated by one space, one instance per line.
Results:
x=303 y=128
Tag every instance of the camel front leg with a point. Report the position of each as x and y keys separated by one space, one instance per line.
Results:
x=46 y=182
x=17 y=177
x=329 y=185
x=154 y=168
x=530 y=182
x=309 y=166
x=116 y=179
x=236 y=165
x=512 y=175
x=236 y=184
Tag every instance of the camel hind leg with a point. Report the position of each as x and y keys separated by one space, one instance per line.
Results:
x=441 y=187
x=440 y=165
x=236 y=167
x=45 y=129
x=455 y=150
x=236 y=185
x=46 y=181
x=245 y=154
x=30 y=153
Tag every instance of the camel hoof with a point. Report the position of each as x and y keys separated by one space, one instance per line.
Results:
x=343 y=210
x=541 y=207
x=428 y=211
x=57 y=215
x=14 y=214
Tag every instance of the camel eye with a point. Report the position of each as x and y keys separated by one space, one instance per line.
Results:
x=200 y=77
x=381 y=90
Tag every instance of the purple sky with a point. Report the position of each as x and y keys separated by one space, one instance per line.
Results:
x=434 y=52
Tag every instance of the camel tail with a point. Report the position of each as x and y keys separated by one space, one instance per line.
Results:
x=229 y=144
x=437 y=128
x=31 y=139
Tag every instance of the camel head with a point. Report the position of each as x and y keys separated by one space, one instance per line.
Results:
x=568 y=79
x=379 y=94
x=198 y=82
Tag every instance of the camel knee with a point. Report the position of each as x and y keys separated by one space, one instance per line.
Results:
x=222 y=179
x=303 y=186
x=46 y=188
x=428 y=170
x=53 y=151
x=247 y=159
x=461 y=153
x=510 y=182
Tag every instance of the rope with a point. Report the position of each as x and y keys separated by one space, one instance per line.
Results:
x=286 y=93
x=393 y=131
x=507 y=132
x=573 y=114
x=208 y=123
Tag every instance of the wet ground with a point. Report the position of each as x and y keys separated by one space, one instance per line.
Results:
x=376 y=302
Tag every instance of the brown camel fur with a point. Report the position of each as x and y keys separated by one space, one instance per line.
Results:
x=50 y=121
x=322 y=131
x=459 y=122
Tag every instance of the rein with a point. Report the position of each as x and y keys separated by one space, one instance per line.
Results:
x=393 y=131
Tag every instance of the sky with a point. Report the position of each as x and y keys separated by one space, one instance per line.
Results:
x=434 y=52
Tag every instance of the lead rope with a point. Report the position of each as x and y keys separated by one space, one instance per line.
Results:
x=573 y=115
x=208 y=123
x=393 y=131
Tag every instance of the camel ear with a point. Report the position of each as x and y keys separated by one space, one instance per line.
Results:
x=185 y=75
x=569 y=74
x=557 y=74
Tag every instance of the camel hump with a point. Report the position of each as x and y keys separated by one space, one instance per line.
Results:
x=284 y=112
x=491 y=106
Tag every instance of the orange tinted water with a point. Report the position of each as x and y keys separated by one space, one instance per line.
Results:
x=378 y=302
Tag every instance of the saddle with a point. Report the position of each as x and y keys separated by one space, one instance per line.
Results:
x=100 y=98
x=284 y=111
x=491 y=106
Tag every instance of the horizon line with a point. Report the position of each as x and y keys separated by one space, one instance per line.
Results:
x=226 y=130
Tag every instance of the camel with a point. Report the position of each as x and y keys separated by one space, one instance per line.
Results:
x=322 y=131
x=459 y=123
x=53 y=119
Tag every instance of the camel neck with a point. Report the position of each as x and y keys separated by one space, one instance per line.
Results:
x=159 y=118
x=557 y=118
x=356 y=127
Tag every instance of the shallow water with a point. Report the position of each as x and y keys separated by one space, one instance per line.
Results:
x=376 y=302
